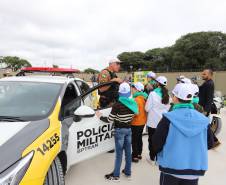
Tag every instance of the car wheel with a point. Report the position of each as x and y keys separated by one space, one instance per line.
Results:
x=55 y=175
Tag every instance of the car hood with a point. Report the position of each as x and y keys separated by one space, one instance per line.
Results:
x=8 y=130
x=15 y=137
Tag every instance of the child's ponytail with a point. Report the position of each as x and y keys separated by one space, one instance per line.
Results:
x=165 y=95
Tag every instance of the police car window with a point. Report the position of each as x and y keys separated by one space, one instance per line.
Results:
x=84 y=87
x=70 y=102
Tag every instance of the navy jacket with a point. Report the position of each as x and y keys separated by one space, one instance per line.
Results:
x=206 y=94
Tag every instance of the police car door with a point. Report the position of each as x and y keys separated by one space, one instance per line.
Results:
x=88 y=136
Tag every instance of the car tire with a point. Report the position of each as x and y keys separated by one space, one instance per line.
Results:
x=55 y=175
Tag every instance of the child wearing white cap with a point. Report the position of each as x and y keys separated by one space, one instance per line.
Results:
x=151 y=82
x=121 y=115
x=181 y=141
x=156 y=105
x=139 y=121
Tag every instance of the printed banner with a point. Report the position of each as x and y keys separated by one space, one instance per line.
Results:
x=141 y=76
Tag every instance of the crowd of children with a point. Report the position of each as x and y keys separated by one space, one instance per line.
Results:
x=179 y=135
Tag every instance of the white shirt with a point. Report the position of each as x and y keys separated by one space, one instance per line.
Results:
x=155 y=109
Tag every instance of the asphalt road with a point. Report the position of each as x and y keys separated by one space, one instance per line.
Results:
x=91 y=172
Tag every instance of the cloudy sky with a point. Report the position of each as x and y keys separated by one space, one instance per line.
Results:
x=87 y=33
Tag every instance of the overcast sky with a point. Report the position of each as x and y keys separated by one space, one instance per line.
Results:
x=87 y=33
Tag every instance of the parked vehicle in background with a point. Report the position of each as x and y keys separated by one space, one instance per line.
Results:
x=218 y=104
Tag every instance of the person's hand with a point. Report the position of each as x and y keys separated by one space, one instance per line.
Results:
x=98 y=114
x=118 y=80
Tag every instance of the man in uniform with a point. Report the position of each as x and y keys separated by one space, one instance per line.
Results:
x=109 y=94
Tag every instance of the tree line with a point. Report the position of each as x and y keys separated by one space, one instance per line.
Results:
x=191 y=52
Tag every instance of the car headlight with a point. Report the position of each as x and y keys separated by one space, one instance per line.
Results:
x=14 y=174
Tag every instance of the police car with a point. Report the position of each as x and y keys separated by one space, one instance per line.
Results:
x=47 y=124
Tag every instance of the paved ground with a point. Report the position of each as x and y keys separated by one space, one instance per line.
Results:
x=91 y=172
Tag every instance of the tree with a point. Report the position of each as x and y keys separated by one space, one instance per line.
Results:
x=90 y=70
x=132 y=60
x=193 y=51
x=15 y=63
x=201 y=48
x=55 y=66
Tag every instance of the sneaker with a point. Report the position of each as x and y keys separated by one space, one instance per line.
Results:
x=135 y=159
x=127 y=176
x=111 y=151
x=139 y=157
x=110 y=177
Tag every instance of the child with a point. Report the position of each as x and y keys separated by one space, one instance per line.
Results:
x=150 y=86
x=181 y=141
x=157 y=104
x=121 y=115
x=139 y=121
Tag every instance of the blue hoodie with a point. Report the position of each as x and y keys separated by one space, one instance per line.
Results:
x=186 y=144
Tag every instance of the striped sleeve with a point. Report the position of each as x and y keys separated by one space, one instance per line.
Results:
x=111 y=116
x=113 y=113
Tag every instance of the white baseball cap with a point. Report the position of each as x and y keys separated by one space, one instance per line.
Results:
x=138 y=86
x=185 y=81
x=124 y=90
x=183 y=91
x=162 y=80
x=195 y=89
x=115 y=60
x=151 y=75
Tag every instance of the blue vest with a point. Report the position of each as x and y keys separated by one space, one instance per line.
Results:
x=186 y=143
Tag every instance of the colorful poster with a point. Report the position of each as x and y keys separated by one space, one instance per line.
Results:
x=141 y=76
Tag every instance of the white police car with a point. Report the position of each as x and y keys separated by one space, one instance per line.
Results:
x=47 y=124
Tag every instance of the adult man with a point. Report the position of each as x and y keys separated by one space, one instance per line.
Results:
x=206 y=91
x=109 y=94
x=206 y=94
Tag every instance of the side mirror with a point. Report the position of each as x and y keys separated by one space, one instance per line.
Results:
x=83 y=112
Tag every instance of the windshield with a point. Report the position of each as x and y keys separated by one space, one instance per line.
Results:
x=27 y=100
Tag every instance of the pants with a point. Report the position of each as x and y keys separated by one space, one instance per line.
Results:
x=166 y=179
x=151 y=132
x=137 y=142
x=122 y=142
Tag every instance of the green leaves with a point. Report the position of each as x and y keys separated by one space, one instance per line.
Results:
x=15 y=63
x=90 y=70
x=193 y=51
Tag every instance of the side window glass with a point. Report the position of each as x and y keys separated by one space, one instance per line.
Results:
x=84 y=87
x=70 y=101
x=90 y=100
